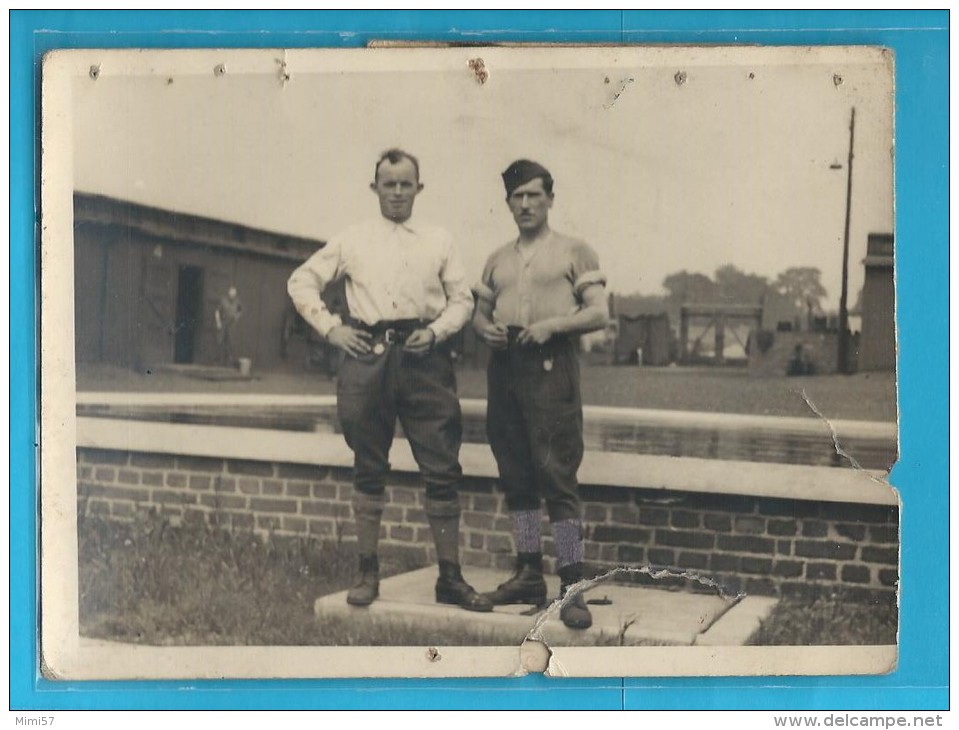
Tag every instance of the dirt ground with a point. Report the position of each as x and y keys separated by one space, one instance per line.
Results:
x=864 y=396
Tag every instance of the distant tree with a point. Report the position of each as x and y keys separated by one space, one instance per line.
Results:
x=684 y=287
x=803 y=287
x=735 y=286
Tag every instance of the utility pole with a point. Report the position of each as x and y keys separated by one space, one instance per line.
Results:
x=843 y=353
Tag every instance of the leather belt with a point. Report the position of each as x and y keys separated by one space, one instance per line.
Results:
x=391 y=332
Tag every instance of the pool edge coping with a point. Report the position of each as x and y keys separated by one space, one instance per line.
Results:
x=637 y=471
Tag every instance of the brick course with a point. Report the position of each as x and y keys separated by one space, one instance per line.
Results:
x=770 y=546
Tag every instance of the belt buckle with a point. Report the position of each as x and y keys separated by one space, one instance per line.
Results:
x=389 y=336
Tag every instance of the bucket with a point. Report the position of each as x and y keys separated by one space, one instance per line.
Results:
x=245 y=365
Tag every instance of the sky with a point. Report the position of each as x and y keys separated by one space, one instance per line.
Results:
x=731 y=166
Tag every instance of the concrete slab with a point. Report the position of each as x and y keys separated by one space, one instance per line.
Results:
x=736 y=626
x=635 y=615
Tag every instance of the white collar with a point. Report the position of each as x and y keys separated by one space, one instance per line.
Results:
x=407 y=225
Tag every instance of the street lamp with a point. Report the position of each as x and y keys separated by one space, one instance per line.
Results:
x=843 y=353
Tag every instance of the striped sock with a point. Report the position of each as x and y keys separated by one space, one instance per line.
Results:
x=526 y=530
x=568 y=536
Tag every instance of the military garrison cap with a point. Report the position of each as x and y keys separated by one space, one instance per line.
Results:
x=522 y=171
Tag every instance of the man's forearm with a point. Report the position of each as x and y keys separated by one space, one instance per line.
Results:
x=305 y=289
x=480 y=320
x=588 y=319
x=452 y=319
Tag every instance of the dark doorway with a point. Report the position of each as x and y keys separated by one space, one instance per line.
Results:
x=189 y=302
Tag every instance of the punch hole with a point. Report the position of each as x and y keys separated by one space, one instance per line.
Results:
x=433 y=654
x=680 y=78
x=95 y=72
x=219 y=70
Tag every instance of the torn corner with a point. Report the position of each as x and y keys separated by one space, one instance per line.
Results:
x=835 y=440
x=48 y=672
x=893 y=665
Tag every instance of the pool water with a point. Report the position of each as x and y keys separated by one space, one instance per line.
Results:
x=609 y=433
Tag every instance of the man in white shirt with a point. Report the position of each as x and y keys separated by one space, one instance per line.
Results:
x=407 y=294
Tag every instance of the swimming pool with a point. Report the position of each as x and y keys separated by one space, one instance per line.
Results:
x=806 y=441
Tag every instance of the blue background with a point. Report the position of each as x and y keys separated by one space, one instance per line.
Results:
x=920 y=42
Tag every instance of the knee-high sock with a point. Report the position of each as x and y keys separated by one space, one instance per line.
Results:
x=368 y=512
x=444 y=519
x=568 y=536
x=526 y=530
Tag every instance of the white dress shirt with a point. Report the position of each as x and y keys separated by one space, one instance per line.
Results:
x=393 y=271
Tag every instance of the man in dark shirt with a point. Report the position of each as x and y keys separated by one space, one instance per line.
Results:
x=227 y=314
x=537 y=293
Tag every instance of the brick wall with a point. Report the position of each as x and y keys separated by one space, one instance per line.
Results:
x=752 y=544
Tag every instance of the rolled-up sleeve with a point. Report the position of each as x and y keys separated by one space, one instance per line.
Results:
x=459 y=297
x=306 y=285
x=483 y=289
x=584 y=269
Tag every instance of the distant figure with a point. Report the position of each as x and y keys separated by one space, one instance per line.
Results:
x=538 y=293
x=227 y=314
x=800 y=364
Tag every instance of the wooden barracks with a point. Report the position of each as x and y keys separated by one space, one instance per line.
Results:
x=149 y=280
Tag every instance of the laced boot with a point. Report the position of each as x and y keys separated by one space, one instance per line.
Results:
x=574 y=612
x=527 y=584
x=367 y=587
x=452 y=588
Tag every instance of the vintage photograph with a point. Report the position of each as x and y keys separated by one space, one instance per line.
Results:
x=468 y=361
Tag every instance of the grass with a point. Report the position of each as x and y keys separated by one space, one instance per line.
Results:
x=829 y=621
x=864 y=396
x=152 y=582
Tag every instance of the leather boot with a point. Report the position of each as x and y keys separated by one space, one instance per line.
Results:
x=452 y=588
x=527 y=584
x=574 y=612
x=367 y=587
